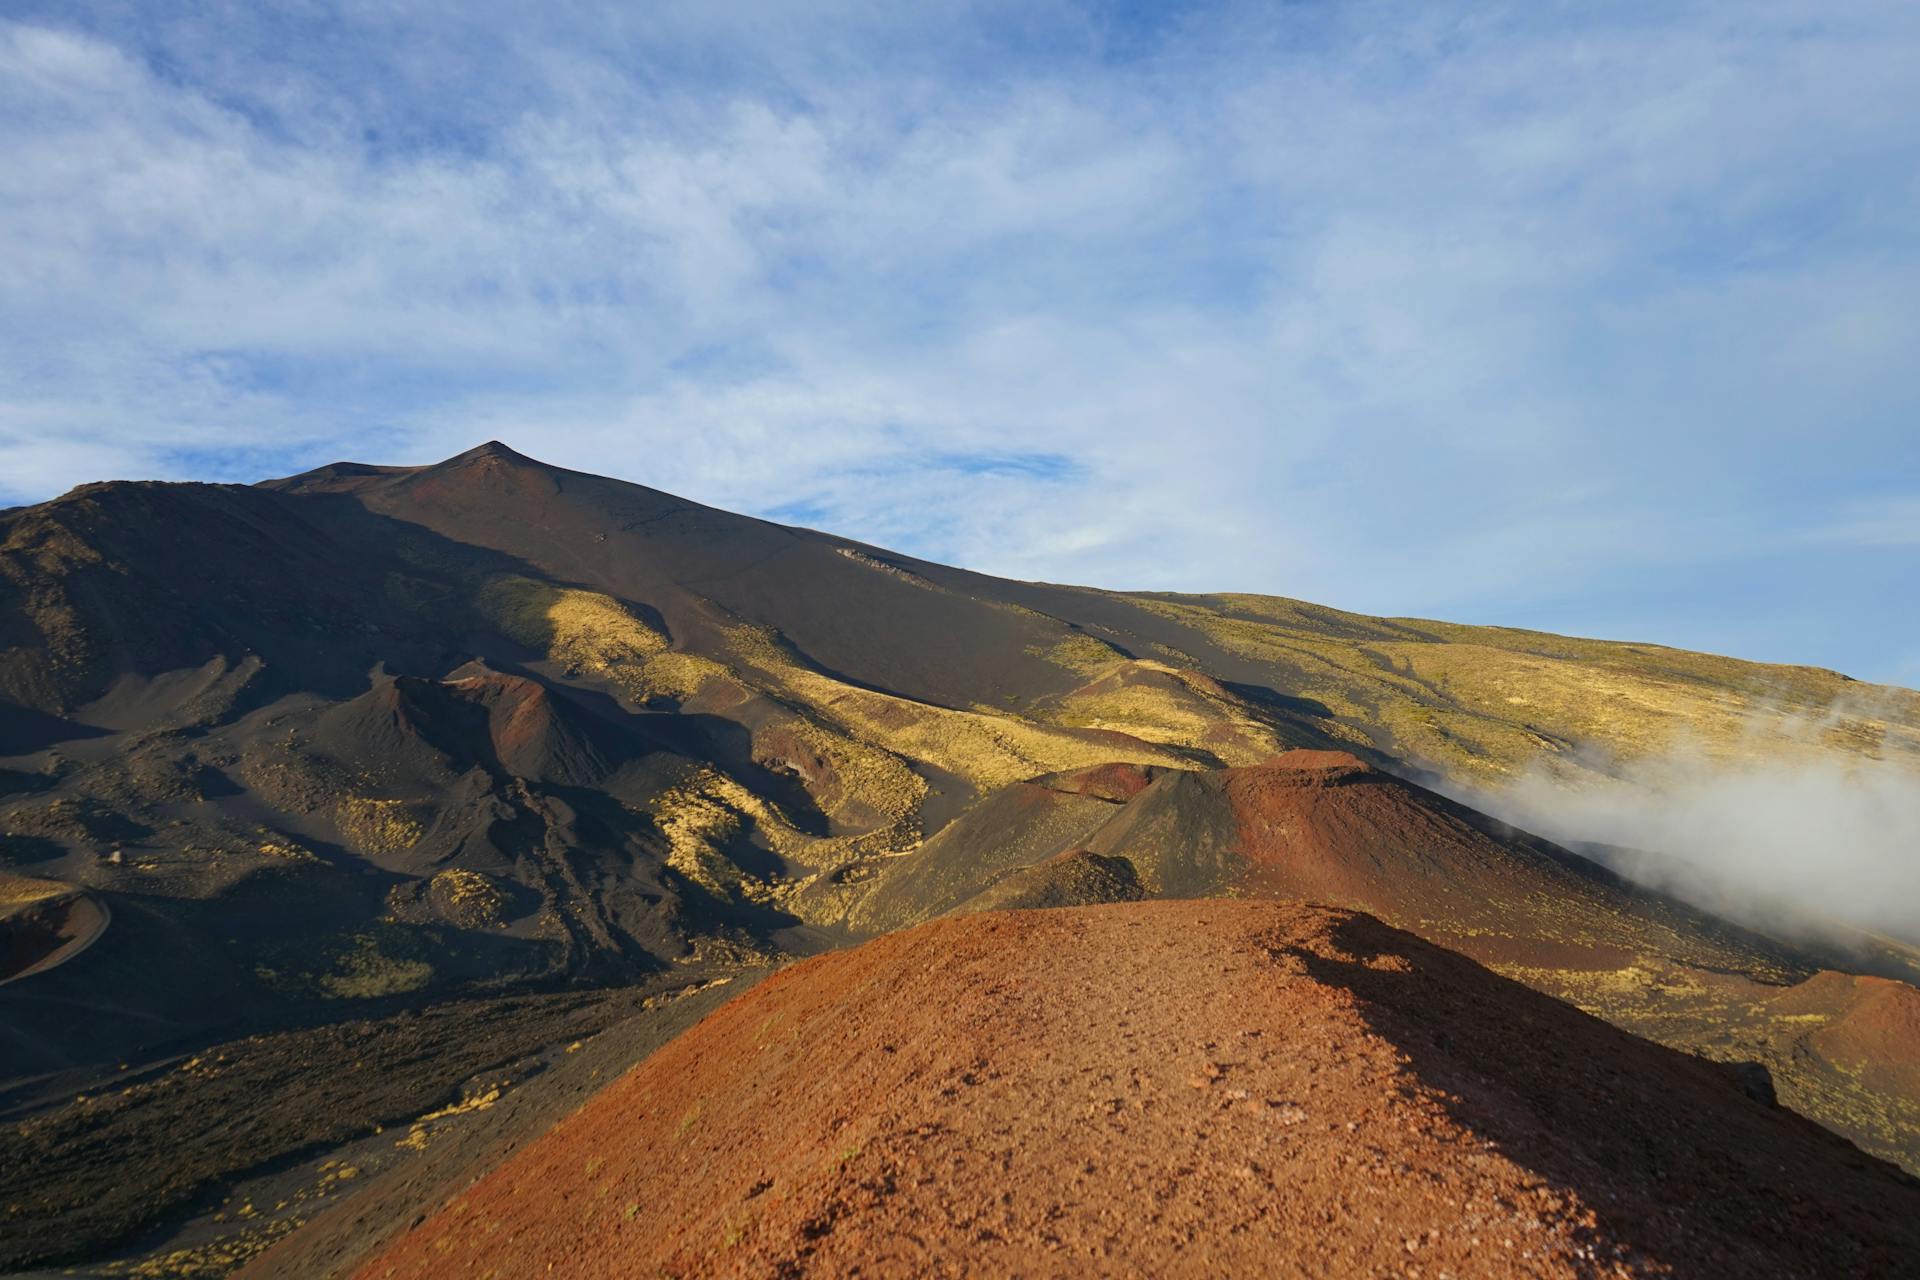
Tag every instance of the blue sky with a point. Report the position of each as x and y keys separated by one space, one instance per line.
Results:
x=1597 y=318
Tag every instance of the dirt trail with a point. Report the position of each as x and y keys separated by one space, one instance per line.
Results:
x=1168 y=1088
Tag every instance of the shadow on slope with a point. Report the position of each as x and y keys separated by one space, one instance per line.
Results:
x=1161 y=1088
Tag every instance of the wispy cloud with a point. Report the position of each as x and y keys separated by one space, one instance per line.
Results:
x=1468 y=310
x=1786 y=835
x=1892 y=521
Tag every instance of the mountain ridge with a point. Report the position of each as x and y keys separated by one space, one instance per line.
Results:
x=371 y=739
x=1041 y=1092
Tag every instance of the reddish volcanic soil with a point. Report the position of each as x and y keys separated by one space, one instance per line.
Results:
x=1871 y=1027
x=1327 y=827
x=1119 y=782
x=1168 y=1088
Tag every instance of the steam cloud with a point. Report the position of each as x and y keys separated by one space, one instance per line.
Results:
x=1790 y=842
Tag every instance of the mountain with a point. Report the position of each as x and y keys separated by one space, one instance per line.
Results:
x=506 y=744
x=1325 y=827
x=1167 y=1088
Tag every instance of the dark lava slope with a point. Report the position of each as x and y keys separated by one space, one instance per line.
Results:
x=379 y=732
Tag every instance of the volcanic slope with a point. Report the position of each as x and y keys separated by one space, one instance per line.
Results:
x=44 y=923
x=1168 y=1088
x=1326 y=826
x=349 y=743
x=1225 y=677
x=490 y=720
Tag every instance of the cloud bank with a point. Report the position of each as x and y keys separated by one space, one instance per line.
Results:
x=1790 y=842
x=1595 y=320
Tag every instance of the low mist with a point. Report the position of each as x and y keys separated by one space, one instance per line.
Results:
x=1788 y=844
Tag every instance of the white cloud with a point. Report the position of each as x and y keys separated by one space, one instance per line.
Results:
x=1787 y=836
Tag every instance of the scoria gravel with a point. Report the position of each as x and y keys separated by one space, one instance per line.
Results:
x=1168 y=1088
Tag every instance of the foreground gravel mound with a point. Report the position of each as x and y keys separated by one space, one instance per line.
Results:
x=1169 y=1088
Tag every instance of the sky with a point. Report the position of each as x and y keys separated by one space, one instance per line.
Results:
x=1594 y=318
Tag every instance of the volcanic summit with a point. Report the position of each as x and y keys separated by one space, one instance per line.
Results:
x=357 y=828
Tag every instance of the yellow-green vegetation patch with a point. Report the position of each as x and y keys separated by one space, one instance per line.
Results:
x=1178 y=657
x=421 y=1131
x=365 y=970
x=376 y=826
x=736 y=949
x=215 y=1258
x=22 y=891
x=772 y=824
x=869 y=738
x=865 y=779
x=286 y=851
x=988 y=749
x=707 y=814
x=671 y=674
x=584 y=631
x=699 y=818
x=1082 y=654
x=1488 y=700
x=1163 y=704
x=1711 y=704
x=467 y=898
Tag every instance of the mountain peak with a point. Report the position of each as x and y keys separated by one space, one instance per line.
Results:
x=492 y=449
x=354 y=476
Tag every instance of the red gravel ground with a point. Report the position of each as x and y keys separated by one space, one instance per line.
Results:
x=1872 y=1028
x=1168 y=1088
